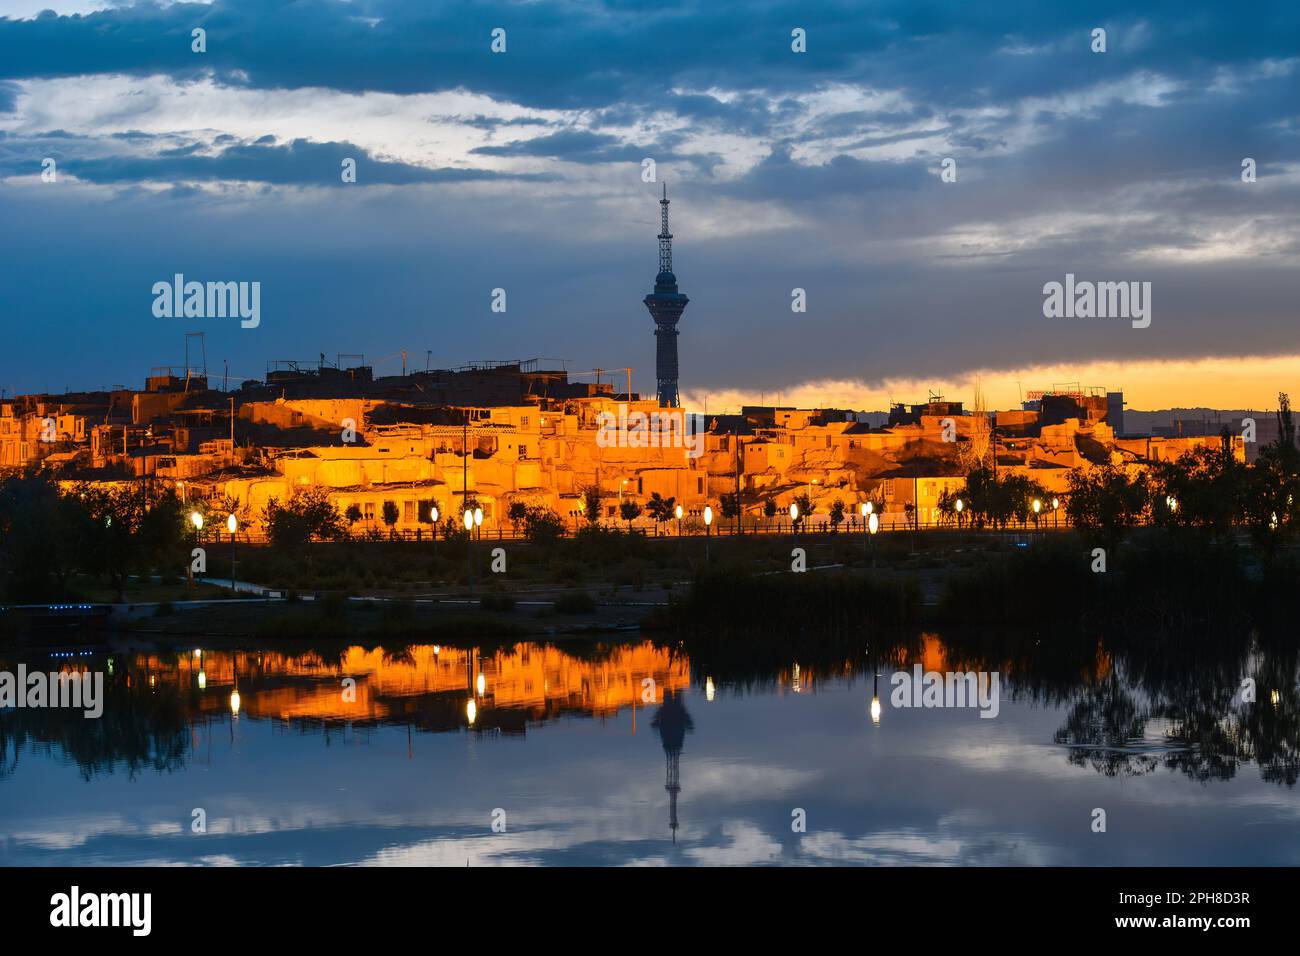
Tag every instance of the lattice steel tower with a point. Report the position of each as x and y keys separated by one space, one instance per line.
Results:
x=666 y=305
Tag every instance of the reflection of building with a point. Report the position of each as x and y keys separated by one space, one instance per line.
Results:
x=673 y=723
x=424 y=686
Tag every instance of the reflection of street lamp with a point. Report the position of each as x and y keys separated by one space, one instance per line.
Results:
x=708 y=688
x=232 y=525
x=481 y=683
x=471 y=711
x=234 y=703
x=875 y=699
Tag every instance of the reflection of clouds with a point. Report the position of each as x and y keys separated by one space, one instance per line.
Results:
x=746 y=845
x=913 y=848
x=736 y=781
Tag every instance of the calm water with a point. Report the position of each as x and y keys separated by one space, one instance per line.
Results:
x=586 y=773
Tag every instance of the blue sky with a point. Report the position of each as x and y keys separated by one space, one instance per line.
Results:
x=522 y=170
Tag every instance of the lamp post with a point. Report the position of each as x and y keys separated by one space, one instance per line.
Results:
x=478 y=523
x=959 y=505
x=866 y=536
x=196 y=520
x=1037 y=506
x=678 y=512
x=1056 y=505
x=794 y=518
x=232 y=525
x=708 y=522
x=433 y=517
x=873 y=525
x=469 y=545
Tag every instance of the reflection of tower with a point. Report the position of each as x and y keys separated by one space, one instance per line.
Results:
x=673 y=723
x=666 y=305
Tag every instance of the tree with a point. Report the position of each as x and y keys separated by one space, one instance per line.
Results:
x=591 y=503
x=661 y=509
x=1106 y=500
x=1206 y=488
x=542 y=525
x=307 y=514
x=353 y=513
x=629 y=511
x=836 y=514
x=805 y=506
x=517 y=514
x=948 y=505
x=390 y=515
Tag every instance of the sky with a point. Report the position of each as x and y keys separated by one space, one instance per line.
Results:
x=524 y=170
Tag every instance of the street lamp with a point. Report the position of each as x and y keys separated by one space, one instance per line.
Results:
x=873 y=525
x=1037 y=506
x=478 y=520
x=794 y=515
x=679 y=513
x=196 y=520
x=232 y=525
x=469 y=565
x=1056 y=504
x=960 y=505
x=866 y=510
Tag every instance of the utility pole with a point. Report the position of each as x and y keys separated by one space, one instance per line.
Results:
x=739 y=510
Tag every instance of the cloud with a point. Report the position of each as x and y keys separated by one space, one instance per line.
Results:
x=522 y=170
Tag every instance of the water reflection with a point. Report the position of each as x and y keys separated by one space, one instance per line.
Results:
x=155 y=703
x=558 y=735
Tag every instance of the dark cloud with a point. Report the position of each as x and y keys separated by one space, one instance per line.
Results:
x=296 y=163
x=906 y=276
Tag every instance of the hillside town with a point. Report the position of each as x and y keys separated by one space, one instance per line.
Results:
x=388 y=451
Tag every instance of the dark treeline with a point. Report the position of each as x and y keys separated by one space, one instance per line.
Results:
x=48 y=536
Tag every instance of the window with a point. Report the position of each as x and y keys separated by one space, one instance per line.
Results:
x=699 y=486
x=408 y=511
x=370 y=511
x=523 y=451
x=523 y=422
